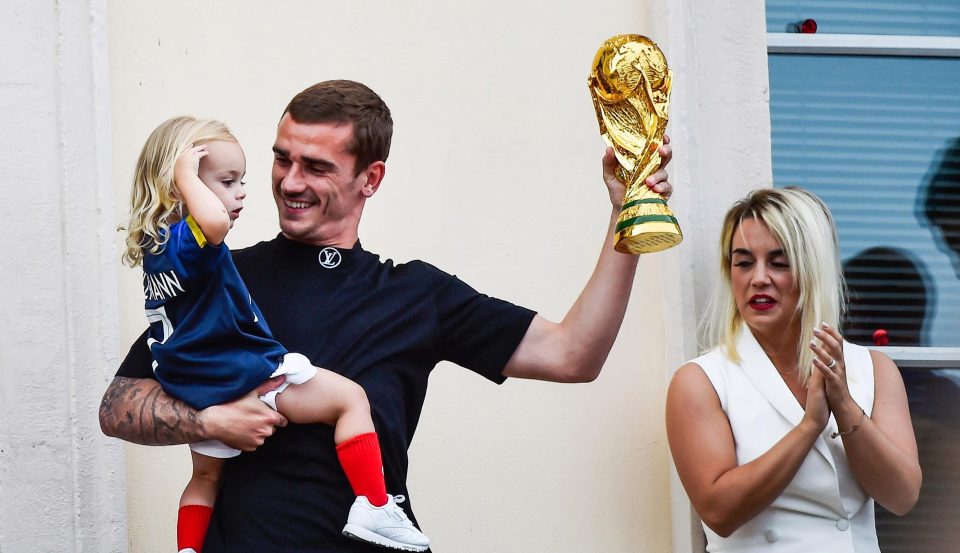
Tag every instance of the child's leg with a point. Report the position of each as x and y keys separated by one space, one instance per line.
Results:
x=374 y=517
x=196 y=503
x=332 y=399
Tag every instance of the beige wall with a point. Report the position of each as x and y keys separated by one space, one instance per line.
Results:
x=494 y=176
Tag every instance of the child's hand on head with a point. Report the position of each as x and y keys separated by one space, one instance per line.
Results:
x=189 y=162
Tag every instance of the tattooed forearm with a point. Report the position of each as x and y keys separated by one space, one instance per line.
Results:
x=137 y=410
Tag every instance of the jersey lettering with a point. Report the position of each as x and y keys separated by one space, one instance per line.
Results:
x=161 y=286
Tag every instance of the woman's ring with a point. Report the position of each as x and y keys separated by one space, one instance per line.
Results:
x=833 y=363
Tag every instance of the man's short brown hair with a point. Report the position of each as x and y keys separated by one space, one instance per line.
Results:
x=343 y=101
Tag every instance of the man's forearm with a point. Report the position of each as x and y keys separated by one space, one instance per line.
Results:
x=137 y=410
x=594 y=320
x=575 y=349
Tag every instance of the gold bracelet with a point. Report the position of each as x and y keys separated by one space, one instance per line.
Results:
x=853 y=429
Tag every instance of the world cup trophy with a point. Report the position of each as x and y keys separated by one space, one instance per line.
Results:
x=630 y=86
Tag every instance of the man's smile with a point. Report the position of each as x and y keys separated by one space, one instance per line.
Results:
x=297 y=204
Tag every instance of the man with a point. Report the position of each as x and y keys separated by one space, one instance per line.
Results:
x=381 y=325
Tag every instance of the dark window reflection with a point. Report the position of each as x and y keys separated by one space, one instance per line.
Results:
x=934 y=524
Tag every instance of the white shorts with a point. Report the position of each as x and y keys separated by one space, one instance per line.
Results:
x=296 y=368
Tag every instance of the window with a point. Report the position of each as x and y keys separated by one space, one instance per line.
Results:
x=866 y=114
x=878 y=138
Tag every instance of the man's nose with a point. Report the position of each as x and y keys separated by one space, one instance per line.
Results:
x=292 y=182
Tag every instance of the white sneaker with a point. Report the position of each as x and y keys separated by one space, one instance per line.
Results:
x=387 y=526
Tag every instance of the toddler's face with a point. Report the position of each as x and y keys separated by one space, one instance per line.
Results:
x=222 y=170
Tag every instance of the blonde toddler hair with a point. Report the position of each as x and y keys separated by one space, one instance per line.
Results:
x=154 y=201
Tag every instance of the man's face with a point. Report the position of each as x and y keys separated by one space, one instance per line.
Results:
x=319 y=197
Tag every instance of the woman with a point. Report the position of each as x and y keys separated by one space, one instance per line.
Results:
x=783 y=434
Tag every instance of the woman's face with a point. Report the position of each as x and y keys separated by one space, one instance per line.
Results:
x=763 y=286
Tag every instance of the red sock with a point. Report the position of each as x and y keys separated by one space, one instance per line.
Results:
x=361 y=462
x=192 y=522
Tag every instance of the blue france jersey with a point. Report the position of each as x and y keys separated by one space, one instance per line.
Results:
x=209 y=341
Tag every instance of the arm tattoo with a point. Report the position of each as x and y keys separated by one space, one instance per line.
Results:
x=138 y=411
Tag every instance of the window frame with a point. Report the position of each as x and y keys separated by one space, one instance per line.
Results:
x=864 y=45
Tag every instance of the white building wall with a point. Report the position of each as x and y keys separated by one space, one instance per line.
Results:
x=61 y=481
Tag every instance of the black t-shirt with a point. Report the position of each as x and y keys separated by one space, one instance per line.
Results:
x=382 y=325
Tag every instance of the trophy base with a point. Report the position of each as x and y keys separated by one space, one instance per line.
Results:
x=648 y=237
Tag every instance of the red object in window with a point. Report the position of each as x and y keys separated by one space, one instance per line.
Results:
x=880 y=337
x=808 y=27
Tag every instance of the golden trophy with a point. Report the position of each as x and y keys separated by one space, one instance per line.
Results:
x=630 y=86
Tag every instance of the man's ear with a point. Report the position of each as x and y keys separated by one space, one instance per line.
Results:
x=371 y=177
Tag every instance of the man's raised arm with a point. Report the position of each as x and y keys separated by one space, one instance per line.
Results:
x=575 y=349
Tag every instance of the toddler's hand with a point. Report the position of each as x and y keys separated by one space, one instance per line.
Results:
x=189 y=162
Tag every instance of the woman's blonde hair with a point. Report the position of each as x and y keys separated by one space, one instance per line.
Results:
x=154 y=200
x=803 y=225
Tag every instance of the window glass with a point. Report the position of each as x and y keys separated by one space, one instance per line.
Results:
x=878 y=138
x=931 y=527
x=872 y=17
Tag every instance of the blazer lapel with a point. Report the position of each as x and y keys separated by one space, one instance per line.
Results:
x=760 y=371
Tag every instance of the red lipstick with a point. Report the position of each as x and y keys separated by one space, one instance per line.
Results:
x=761 y=302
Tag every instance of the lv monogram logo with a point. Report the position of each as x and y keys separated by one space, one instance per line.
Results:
x=329 y=258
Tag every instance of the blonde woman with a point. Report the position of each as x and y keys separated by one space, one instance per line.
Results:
x=784 y=434
x=209 y=341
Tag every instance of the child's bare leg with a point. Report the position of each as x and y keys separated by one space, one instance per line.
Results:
x=196 y=503
x=330 y=399
x=205 y=481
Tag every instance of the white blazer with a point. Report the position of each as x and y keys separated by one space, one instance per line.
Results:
x=823 y=509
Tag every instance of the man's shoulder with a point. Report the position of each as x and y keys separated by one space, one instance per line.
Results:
x=419 y=266
x=256 y=251
x=422 y=271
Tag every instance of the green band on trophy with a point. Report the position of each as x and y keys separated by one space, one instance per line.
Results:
x=628 y=205
x=634 y=221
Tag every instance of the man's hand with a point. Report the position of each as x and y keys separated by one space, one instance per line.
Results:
x=656 y=182
x=244 y=423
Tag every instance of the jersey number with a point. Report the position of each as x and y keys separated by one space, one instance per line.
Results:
x=159 y=315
